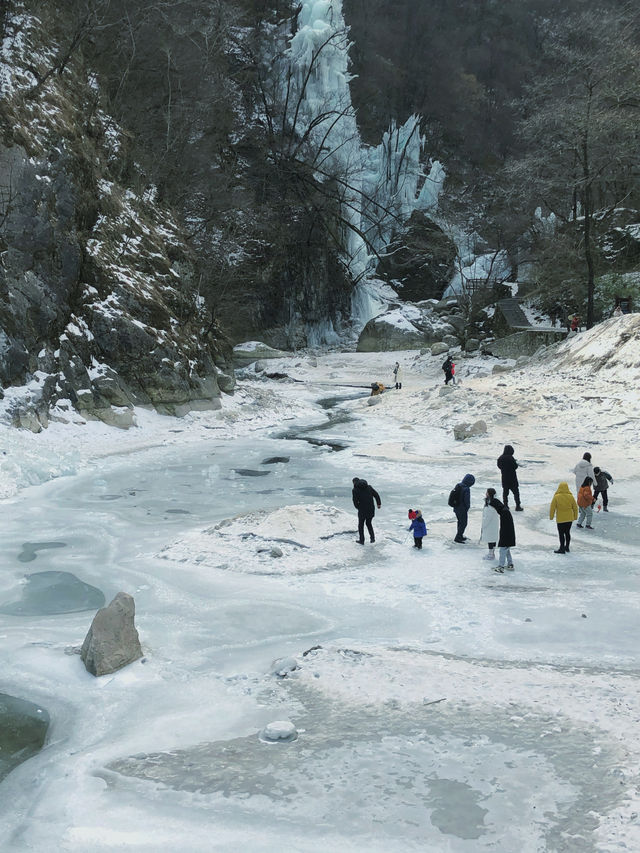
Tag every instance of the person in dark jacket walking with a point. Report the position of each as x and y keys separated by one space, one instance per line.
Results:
x=461 y=509
x=507 y=465
x=419 y=529
x=365 y=498
x=603 y=479
x=448 y=368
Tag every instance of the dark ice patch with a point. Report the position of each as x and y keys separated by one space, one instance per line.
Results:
x=30 y=549
x=273 y=460
x=250 y=472
x=23 y=728
x=49 y=593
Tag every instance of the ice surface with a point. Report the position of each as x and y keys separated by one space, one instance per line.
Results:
x=438 y=706
x=54 y=592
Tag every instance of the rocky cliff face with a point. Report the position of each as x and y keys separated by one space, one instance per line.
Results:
x=98 y=289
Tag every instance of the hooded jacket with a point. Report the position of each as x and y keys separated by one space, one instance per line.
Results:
x=507 y=465
x=465 y=495
x=583 y=469
x=363 y=496
x=603 y=480
x=563 y=505
x=419 y=527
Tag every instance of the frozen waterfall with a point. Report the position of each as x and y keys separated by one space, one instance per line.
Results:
x=379 y=187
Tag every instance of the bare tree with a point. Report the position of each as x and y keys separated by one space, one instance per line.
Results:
x=580 y=124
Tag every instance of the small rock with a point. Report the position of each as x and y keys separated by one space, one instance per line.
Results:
x=280 y=731
x=373 y=401
x=584 y=615
x=472 y=345
x=283 y=666
x=275 y=552
x=528 y=619
x=502 y=368
x=439 y=348
x=446 y=390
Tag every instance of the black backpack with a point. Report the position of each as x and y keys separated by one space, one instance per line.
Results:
x=454 y=495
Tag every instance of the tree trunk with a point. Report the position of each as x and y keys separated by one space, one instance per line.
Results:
x=588 y=213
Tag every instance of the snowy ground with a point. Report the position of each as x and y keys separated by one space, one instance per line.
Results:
x=439 y=706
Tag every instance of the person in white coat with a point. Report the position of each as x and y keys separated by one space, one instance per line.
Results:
x=490 y=531
x=583 y=469
x=397 y=375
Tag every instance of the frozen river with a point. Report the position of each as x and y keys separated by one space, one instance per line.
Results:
x=439 y=706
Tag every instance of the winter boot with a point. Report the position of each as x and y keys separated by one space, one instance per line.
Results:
x=560 y=551
x=519 y=508
x=490 y=555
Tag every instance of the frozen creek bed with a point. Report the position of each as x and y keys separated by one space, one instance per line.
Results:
x=438 y=706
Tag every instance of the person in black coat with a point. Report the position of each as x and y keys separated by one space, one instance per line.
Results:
x=506 y=538
x=448 y=371
x=365 y=499
x=507 y=465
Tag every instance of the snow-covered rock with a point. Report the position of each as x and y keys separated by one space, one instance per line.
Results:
x=251 y=351
x=402 y=327
x=308 y=536
x=467 y=430
x=279 y=731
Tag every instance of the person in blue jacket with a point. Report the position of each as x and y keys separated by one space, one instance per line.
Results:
x=419 y=529
x=461 y=509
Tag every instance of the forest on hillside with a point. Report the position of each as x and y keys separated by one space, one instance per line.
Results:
x=533 y=108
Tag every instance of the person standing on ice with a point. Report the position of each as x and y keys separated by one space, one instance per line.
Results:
x=506 y=541
x=449 y=368
x=585 y=503
x=397 y=375
x=583 y=469
x=419 y=529
x=490 y=530
x=565 y=509
x=462 y=506
x=602 y=482
x=364 y=497
x=507 y=465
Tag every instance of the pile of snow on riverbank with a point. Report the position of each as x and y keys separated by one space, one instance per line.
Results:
x=296 y=539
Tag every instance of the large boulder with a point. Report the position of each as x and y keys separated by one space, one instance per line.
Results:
x=466 y=430
x=112 y=641
x=420 y=260
x=402 y=327
x=250 y=351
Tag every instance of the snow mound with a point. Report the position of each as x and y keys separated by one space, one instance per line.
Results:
x=611 y=345
x=296 y=539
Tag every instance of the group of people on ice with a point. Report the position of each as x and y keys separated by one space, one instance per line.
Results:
x=498 y=528
x=497 y=522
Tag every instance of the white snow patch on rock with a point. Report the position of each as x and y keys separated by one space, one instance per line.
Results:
x=310 y=538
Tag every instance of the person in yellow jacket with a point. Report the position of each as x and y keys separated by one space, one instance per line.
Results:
x=565 y=509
